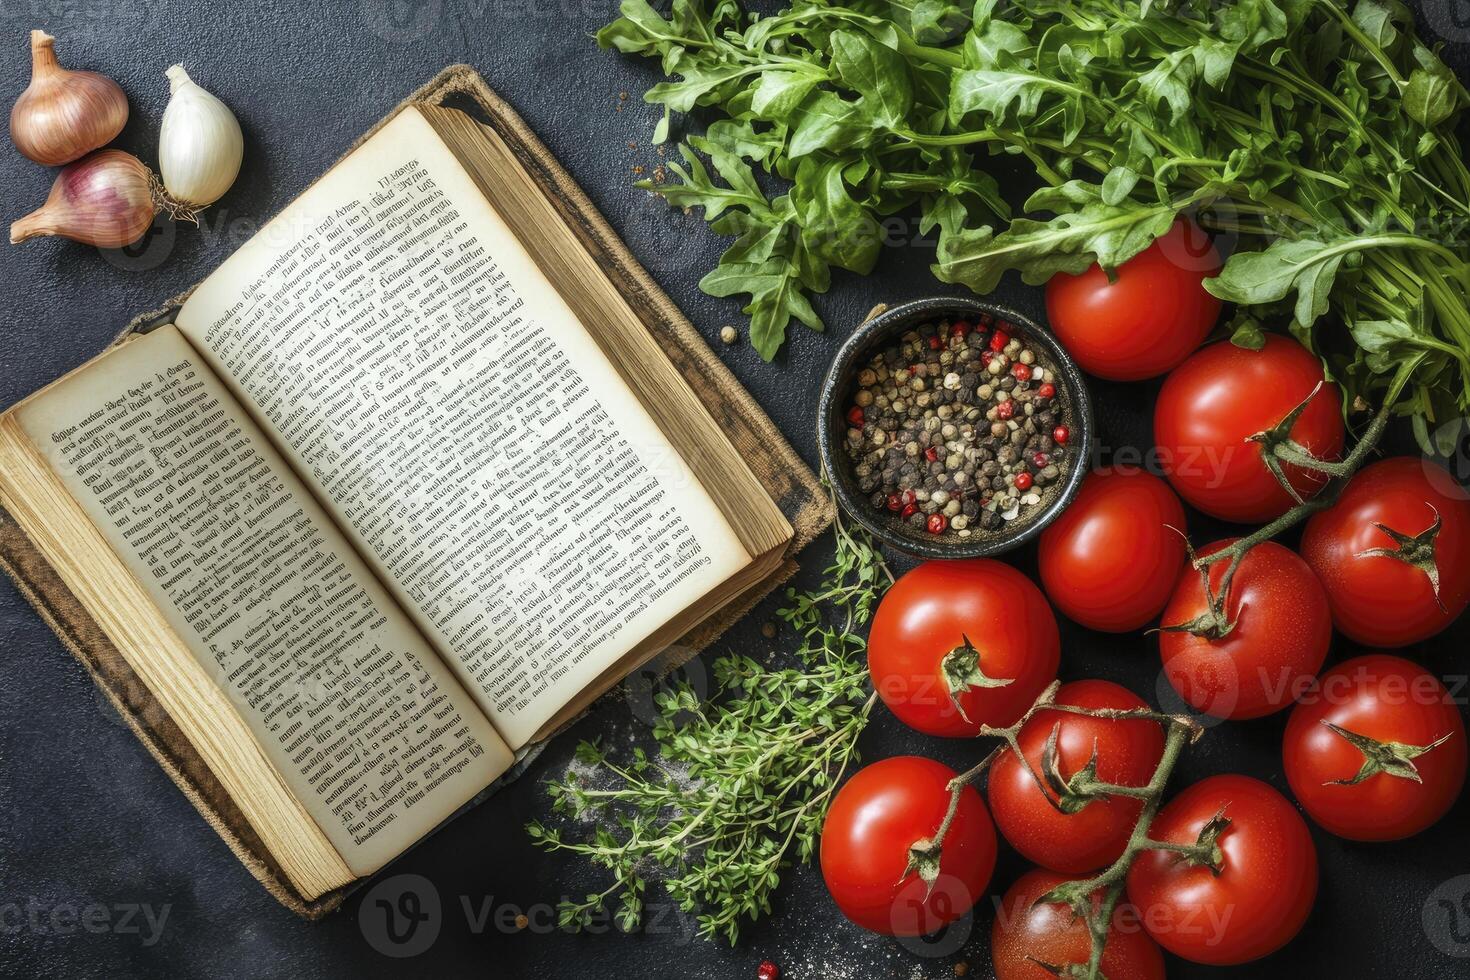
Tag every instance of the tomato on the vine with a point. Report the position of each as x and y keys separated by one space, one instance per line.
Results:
x=1248 y=904
x=1377 y=751
x=1214 y=403
x=1026 y=935
x=1148 y=317
x=1126 y=752
x=879 y=814
x=958 y=644
x=1110 y=561
x=1279 y=631
x=1394 y=553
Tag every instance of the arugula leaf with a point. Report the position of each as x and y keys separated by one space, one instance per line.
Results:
x=834 y=225
x=1085 y=230
x=1323 y=137
x=775 y=298
x=877 y=73
x=826 y=121
x=1304 y=266
x=995 y=91
x=777 y=95
x=1171 y=82
x=1430 y=97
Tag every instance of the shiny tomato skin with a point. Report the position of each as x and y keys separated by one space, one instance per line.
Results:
x=1281 y=637
x=1214 y=402
x=1153 y=315
x=1127 y=753
x=1111 y=560
x=1265 y=888
x=875 y=818
x=929 y=611
x=1388 y=699
x=1380 y=601
x=1025 y=934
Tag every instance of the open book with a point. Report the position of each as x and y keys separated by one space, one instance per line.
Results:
x=404 y=486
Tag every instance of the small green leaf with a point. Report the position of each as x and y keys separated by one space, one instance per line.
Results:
x=1430 y=97
x=1118 y=184
x=776 y=298
x=1170 y=82
x=1247 y=332
x=778 y=94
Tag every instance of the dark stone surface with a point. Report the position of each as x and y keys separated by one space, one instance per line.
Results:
x=89 y=823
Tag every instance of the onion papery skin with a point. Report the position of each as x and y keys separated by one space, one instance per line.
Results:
x=63 y=115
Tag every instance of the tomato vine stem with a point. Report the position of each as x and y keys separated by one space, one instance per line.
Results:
x=1180 y=731
x=1215 y=620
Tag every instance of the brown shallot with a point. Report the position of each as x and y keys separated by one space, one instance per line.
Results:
x=63 y=115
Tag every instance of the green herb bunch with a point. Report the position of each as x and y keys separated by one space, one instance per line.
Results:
x=1321 y=135
x=741 y=784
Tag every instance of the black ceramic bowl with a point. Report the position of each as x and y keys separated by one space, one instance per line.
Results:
x=837 y=390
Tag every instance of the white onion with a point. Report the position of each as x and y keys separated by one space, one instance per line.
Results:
x=200 y=145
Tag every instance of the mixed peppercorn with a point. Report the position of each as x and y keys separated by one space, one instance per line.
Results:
x=957 y=427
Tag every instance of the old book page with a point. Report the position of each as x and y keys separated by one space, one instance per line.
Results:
x=347 y=700
x=411 y=359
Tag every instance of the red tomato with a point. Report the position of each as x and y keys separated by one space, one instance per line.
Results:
x=882 y=811
x=1127 y=754
x=1265 y=885
x=1279 y=642
x=1149 y=319
x=1025 y=935
x=1111 y=560
x=1376 y=599
x=1386 y=699
x=930 y=612
x=1214 y=402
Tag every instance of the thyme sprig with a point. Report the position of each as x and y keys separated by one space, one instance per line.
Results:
x=741 y=783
